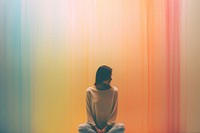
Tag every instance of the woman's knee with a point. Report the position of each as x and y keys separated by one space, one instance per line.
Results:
x=117 y=128
x=120 y=126
x=83 y=127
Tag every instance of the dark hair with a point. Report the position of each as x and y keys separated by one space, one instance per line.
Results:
x=103 y=73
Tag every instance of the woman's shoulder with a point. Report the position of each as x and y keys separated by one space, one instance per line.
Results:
x=114 y=88
x=93 y=88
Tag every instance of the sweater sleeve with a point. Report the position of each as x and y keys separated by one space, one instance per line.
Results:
x=113 y=115
x=90 y=118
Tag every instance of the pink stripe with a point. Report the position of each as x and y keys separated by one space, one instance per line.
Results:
x=173 y=65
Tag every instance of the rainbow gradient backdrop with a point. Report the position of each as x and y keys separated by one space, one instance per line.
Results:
x=50 y=51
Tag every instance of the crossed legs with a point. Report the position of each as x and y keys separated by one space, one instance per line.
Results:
x=87 y=128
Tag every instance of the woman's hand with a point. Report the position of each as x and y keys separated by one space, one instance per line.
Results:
x=97 y=129
x=104 y=130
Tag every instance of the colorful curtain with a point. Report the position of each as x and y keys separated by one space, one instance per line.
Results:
x=50 y=51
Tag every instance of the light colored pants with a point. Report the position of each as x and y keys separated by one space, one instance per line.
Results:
x=87 y=128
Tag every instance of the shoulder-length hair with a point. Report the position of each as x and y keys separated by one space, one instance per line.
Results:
x=103 y=73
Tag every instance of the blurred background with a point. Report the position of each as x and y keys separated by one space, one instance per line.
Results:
x=50 y=51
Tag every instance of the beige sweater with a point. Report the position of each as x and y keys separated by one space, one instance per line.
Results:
x=101 y=106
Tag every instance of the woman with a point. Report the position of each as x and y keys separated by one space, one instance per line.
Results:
x=101 y=105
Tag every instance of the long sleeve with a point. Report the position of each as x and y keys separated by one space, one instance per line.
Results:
x=113 y=115
x=90 y=118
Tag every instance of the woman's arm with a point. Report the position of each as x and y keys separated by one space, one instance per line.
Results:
x=90 y=118
x=113 y=115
